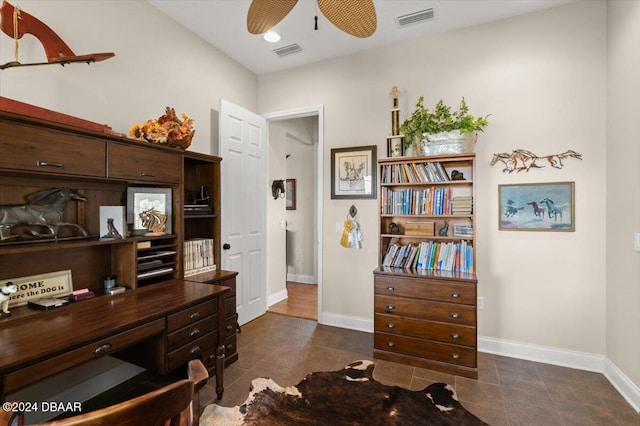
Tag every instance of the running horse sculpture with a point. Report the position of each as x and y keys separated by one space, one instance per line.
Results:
x=44 y=210
x=521 y=159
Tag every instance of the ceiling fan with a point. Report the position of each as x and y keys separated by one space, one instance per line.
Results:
x=357 y=18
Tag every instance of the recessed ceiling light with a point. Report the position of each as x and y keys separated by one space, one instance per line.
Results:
x=272 y=36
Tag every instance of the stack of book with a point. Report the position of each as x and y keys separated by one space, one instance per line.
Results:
x=198 y=256
x=198 y=209
x=462 y=205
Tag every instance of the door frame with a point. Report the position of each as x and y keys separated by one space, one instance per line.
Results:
x=314 y=110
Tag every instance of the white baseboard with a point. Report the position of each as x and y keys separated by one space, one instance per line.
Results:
x=303 y=279
x=629 y=390
x=545 y=354
x=277 y=297
x=345 y=321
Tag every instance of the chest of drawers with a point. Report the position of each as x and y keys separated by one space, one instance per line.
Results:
x=426 y=321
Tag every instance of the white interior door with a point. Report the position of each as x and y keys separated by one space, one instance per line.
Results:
x=244 y=191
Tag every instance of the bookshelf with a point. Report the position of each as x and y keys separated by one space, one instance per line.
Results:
x=425 y=285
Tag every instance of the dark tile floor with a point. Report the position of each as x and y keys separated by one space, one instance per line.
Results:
x=508 y=391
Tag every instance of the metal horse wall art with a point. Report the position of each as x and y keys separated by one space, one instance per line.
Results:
x=43 y=212
x=521 y=159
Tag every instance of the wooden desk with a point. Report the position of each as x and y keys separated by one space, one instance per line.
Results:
x=160 y=326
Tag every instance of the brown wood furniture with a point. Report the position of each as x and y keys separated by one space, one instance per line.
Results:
x=37 y=154
x=177 y=403
x=159 y=327
x=425 y=317
x=231 y=327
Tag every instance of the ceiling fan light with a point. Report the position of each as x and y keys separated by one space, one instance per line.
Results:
x=272 y=36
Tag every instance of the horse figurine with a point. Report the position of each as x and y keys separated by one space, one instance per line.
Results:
x=154 y=221
x=552 y=209
x=6 y=290
x=45 y=209
x=537 y=210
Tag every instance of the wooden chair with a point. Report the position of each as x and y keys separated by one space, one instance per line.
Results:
x=175 y=404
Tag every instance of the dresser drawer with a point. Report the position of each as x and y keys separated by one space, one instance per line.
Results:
x=230 y=345
x=191 y=332
x=25 y=376
x=443 y=332
x=141 y=163
x=459 y=355
x=190 y=351
x=230 y=325
x=191 y=315
x=426 y=289
x=230 y=306
x=24 y=147
x=426 y=309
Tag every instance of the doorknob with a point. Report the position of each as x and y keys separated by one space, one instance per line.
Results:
x=226 y=246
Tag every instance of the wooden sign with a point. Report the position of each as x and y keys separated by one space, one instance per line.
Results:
x=35 y=287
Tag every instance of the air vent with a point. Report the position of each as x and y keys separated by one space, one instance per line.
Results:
x=288 y=50
x=414 y=17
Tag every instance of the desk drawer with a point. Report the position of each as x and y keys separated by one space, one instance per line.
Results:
x=31 y=374
x=191 y=315
x=193 y=350
x=191 y=332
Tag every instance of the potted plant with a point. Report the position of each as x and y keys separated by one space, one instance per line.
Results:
x=442 y=131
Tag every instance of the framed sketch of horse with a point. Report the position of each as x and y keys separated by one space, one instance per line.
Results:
x=142 y=199
x=353 y=172
x=537 y=207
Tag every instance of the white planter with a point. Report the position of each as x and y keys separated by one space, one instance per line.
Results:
x=452 y=142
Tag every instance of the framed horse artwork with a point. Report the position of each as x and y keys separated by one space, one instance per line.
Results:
x=537 y=207
x=140 y=200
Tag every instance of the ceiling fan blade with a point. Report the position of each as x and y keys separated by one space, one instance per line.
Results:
x=265 y=14
x=357 y=18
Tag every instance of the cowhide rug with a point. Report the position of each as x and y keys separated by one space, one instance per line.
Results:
x=347 y=397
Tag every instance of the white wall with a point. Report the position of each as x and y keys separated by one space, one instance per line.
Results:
x=300 y=222
x=623 y=191
x=542 y=77
x=158 y=63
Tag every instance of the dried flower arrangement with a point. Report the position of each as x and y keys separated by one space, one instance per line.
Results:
x=167 y=130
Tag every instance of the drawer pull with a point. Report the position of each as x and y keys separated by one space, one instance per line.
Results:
x=194 y=332
x=454 y=315
x=102 y=348
x=229 y=327
x=194 y=315
x=455 y=335
x=143 y=174
x=211 y=357
x=390 y=307
x=45 y=164
x=455 y=356
x=455 y=295
x=194 y=350
x=390 y=288
x=391 y=344
x=391 y=325
x=228 y=348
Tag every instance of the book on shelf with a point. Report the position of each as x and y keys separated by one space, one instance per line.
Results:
x=198 y=209
x=431 y=255
x=198 y=256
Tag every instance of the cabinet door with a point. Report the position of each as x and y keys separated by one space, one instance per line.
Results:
x=29 y=148
x=143 y=164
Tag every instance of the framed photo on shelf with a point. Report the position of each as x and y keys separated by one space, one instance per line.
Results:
x=140 y=199
x=353 y=172
x=537 y=207
x=290 y=191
